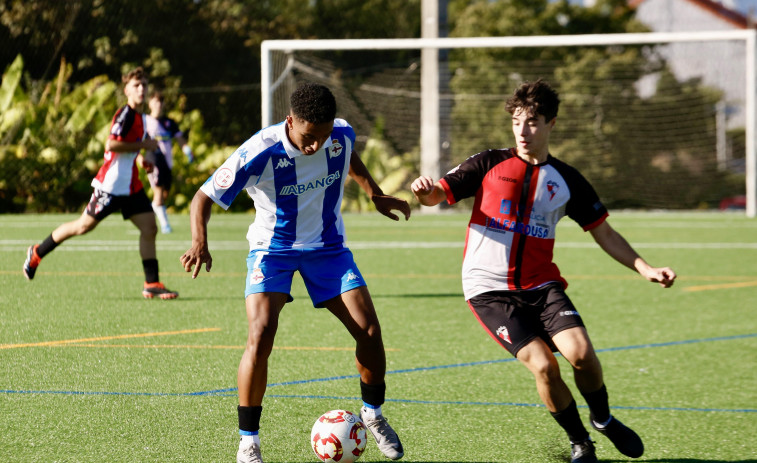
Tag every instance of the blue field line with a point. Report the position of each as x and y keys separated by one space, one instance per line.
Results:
x=232 y=391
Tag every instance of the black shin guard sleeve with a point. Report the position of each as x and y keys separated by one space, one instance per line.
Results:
x=249 y=418
x=373 y=394
x=570 y=421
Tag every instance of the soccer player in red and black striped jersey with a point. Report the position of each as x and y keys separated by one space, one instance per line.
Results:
x=117 y=187
x=510 y=282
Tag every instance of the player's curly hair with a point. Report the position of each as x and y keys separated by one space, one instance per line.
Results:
x=137 y=73
x=536 y=97
x=313 y=103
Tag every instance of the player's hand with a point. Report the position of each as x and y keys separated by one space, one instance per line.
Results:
x=422 y=186
x=665 y=276
x=145 y=164
x=386 y=204
x=195 y=257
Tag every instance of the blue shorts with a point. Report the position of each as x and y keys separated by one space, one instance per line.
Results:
x=327 y=272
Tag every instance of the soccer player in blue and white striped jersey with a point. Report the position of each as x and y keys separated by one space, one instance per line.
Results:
x=295 y=173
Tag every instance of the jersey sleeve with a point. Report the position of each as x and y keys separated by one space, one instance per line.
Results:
x=584 y=206
x=241 y=170
x=465 y=180
x=122 y=124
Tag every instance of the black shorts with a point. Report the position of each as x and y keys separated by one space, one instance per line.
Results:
x=161 y=174
x=515 y=318
x=102 y=204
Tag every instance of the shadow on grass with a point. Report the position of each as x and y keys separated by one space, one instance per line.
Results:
x=682 y=460
x=418 y=296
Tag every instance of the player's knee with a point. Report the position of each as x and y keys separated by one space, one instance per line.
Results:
x=545 y=370
x=585 y=361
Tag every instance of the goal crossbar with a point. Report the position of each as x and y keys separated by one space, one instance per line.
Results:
x=748 y=36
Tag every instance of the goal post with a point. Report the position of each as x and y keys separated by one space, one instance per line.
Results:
x=271 y=78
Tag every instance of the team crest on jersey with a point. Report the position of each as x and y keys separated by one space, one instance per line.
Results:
x=257 y=276
x=503 y=334
x=335 y=149
x=552 y=188
x=223 y=178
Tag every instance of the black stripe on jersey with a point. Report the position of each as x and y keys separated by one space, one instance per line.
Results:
x=521 y=211
x=123 y=121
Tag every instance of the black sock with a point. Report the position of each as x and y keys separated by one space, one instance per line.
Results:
x=571 y=423
x=598 y=404
x=46 y=246
x=373 y=394
x=151 y=270
x=249 y=418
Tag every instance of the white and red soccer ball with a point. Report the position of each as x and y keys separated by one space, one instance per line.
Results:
x=338 y=436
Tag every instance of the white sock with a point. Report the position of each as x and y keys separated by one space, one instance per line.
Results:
x=371 y=411
x=160 y=212
x=246 y=440
x=602 y=425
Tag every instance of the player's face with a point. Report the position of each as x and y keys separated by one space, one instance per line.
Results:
x=135 y=91
x=532 y=134
x=306 y=136
x=156 y=106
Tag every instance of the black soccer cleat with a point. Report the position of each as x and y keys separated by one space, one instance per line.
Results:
x=624 y=438
x=583 y=452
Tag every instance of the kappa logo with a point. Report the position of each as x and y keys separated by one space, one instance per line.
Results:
x=503 y=334
x=283 y=162
x=352 y=276
x=335 y=149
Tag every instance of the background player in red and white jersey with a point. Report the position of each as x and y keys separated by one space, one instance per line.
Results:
x=117 y=187
x=509 y=279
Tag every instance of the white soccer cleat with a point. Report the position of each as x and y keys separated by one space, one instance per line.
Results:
x=386 y=439
x=249 y=454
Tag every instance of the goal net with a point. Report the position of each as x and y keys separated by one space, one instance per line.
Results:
x=655 y=120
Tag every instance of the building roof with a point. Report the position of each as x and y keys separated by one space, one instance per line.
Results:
x=717 y=9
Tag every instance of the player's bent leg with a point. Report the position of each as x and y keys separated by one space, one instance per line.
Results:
x=574 y=344
x=263 y=311
x=541 y=362
x=148 y=230
x=83 y=225
x=355 y=310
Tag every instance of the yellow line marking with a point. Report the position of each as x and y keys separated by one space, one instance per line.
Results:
x=106 y=338
x=194 y=346
x=743 y=284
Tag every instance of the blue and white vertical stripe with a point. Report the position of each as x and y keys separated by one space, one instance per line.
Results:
x=297 y=197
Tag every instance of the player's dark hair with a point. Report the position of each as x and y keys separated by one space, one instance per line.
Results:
x=313 y=103
x=156 y=93
x=137 y=73
x=535 y=97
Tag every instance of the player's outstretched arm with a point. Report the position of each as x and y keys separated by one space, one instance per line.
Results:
x=428 y=192
x=385 y=204
x=619 y=249
x=198 y=219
